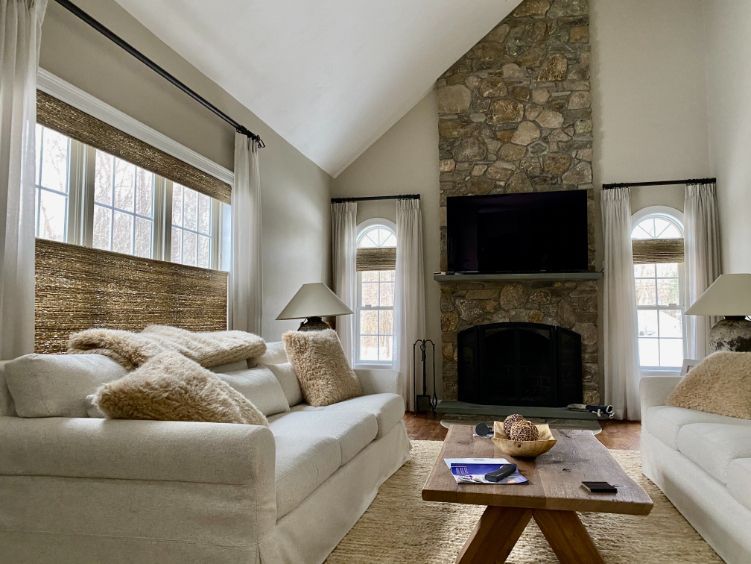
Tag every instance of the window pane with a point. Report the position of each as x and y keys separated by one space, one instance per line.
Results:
x=387 y=294
x=647 y=323
x=144 y=192
x=369 y=294
x=38 y=134
x=387 y=275
x=385 y=322
x=648 y=352
x=143 y=237
x=190 y=211
x=102 y=227
x=122 y=233
x=177 y=204
x=671 y=352
x=368 y=322
x=54 y=160
x=125 y=185
x=52 y=209
x=645 y=292
x=644 y=270
x=671 y=323
x=369 y=348
x=384 y=348
x=189 y=248
x=204 y=251
x=667 y=270
x=668 y=292
x=369 y=276
x=103 y=178
x=177 y=245
x=204 y=214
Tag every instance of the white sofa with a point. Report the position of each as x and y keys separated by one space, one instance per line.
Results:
x=702 y=462
x=78 y=489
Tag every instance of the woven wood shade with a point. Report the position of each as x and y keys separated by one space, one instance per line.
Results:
x=647 y=251
x=62 y=117
x=383 y=258
x=78 y=288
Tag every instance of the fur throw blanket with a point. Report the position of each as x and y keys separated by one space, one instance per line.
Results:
x=131 y=350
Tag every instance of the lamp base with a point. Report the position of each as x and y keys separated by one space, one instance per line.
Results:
x=731 y=334
x=314 y=324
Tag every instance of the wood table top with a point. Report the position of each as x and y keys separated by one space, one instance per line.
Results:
x=554 y=478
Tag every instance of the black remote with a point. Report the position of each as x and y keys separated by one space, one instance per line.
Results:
x=503 y=472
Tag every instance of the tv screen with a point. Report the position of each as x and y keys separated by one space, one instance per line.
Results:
x=518 y=233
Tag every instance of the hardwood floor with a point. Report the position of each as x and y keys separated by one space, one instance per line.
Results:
x=615 y=434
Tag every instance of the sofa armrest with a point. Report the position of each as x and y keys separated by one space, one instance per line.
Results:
x=219 y=453
x=654 y=390
x=379 y=380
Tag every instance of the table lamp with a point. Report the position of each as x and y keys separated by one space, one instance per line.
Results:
x=729 y=296
x=311 y=303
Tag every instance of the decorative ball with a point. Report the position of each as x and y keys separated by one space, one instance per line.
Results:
x=509 y=421
x=524 y=431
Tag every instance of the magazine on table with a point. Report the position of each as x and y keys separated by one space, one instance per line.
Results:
x=473 y=470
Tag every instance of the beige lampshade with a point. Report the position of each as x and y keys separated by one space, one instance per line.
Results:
x=729 y=295
x=314 y=300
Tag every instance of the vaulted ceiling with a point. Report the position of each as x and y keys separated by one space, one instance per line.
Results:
x=330 y=76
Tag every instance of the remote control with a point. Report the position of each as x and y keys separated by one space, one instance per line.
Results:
x=503 y=472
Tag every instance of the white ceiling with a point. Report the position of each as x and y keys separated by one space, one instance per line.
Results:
x=330 y=76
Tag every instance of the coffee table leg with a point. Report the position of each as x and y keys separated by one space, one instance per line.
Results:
x=567 y=537
x=495 y=535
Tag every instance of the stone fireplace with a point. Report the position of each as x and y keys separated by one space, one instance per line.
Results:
x=515 y=116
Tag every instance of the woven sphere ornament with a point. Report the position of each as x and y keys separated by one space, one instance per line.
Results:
x=523 y=431
x=509 y=421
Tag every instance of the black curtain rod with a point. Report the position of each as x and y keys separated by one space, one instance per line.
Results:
x=120 y=42
x=658 y=183
x=372 y=198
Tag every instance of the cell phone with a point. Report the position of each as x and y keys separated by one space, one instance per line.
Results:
x=599 y=487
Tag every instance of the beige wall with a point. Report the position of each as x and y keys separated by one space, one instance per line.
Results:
x=404 y=161
x=295 y=190
x=728 y=44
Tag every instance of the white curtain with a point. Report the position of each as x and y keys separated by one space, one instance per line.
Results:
x=245 y=279
x=702 y=260
x=344 y=249
x=20 y=35
x=409 y=289
x=619 y=301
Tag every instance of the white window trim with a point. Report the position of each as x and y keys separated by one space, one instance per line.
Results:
x=676 y=215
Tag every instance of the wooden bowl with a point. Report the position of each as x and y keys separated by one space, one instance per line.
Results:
x=523 y=449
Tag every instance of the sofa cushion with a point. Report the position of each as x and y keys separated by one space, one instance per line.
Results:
x=287 y=378
x=275 y=354
x=739 y=480
x=56 y=385
x=301 y=466
x=260 y=386
x=352 y=430
x=664 y=422
x=713 y=446
x=6 y=402
x=388 y=409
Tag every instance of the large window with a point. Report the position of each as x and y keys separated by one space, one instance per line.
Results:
x=376 y=244
x=88 y=197
x=658 y=279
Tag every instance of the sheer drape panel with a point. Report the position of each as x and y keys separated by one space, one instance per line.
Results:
x=344 y=249
x=20 y=35
x=409 y=302
x=245 y=280
x=702 y=260
x=619 y=299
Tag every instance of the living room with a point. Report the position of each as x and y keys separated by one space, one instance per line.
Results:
x=515 y=207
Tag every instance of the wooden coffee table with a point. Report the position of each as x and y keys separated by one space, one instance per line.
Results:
x=552 y=497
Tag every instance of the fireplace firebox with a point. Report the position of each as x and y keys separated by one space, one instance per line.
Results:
x=524 y=364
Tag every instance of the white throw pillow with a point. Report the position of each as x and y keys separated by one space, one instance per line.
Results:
x=260 y=386
x=287 y=378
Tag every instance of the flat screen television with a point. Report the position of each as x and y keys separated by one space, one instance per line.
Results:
x=518 y=233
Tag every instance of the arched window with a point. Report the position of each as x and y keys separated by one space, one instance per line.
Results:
x=657 y=236
x=376 y=261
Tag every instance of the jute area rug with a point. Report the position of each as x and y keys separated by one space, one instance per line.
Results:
x=399 y=527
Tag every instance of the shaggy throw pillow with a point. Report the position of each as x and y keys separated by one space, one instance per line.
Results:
x=721 y=384
x=320 y=365
x=171 y=387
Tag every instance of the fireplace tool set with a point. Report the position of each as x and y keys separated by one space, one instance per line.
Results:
x=425 y=401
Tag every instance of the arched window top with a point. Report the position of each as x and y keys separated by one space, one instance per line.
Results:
x=376 y=234
x=657 y=223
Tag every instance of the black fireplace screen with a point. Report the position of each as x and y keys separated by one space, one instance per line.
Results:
x=520 y=364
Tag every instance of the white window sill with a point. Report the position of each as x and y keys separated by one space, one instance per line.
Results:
x=660 y=371
x=365 y=366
